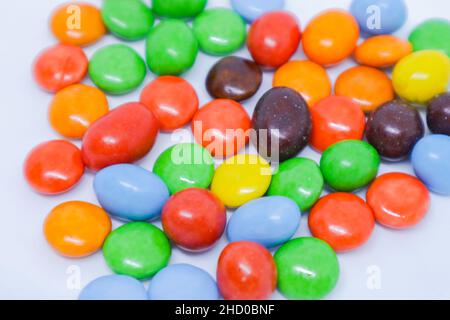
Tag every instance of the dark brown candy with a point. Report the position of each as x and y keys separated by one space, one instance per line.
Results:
x=394 y=128
x=286 y=111
x=438 y=114
x=234 y=78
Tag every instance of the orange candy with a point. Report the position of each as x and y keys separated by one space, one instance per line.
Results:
x=74 y=108
x=382 y=51
x=331 y=37
x=369 y=87
x=76 y=228
x=306 y=77
x=79 y=24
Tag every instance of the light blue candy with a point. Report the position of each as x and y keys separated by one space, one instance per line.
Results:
x=130 y=192
x=114 y=287
x=250 y=10
x=270 y=221
x=182 y=282
x=431 y=162
x=377 y=17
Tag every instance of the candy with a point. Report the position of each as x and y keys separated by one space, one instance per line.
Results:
x=241 y=179
x=219 y=31
x=234 y=78
x=330 y=37
x=117 y=69
x=221 y=127
x=283 y=110
x=137 y=249
x=130 y=192
x=172 y=100
x=432 y=34
x=369 y=87
x=194 y=219
x=76 y=229
x=178 y=8
x=438 y=114
x=79 y=24
x=299 y=179
x=114 y=287
x=379 y=16
x=305 y=77
x=129 y=20
x=53 y=167
x=182 y=282
x=398 y=200
x=269 y=221
x=75 y=108
x=251 y=10
x=336 y=119
x=421 y=76
x=431 y=162
x=343 y=220
x=394 y=128
x=171 y=48
x=307 y=268
x=246 y=271
x=124 y=135
x=273 y=39
x=60 y=66
x=382 y=51
x=349 y=165
x=183 y=166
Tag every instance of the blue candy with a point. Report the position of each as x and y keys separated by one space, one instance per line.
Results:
x=269 y=221
x=114 y=287
x=130 y=192
x=377 y=17
x=250 y=10
x=431 y=162
x=182 y=282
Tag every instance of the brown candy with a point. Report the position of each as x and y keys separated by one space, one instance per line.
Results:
x=438 y=114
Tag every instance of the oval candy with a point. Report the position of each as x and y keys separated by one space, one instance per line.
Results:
x=113 y=287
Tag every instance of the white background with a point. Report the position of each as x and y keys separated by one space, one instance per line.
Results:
x=412 y=264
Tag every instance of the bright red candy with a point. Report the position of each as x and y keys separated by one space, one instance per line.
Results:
x=123 y=135
x=398 y=200
x=273 y=39
x=53 y=167
x=246 y=271
x=172 y=100
x=343 y=220
x=336 y=119
x=194 y=219
x=60 y=66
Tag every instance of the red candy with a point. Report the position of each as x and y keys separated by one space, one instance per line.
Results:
x=53 y=167
x=246 y=271
x=60 y=66
x=343 y=220
x=194 y=219
x=172 y=100
x=124 y=135
x=273 y=39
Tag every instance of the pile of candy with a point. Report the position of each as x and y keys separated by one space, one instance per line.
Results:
x=188 y=193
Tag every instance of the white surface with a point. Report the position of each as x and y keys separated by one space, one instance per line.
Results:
x=405 y=264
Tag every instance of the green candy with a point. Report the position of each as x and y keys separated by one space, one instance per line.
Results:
x=307 y=268
x=299 y=179
x=178 y=8
x=349 y=165
x=185 y=166
x=137 y=249
x=433 y=34
x=117 y=69
x=219 y=31
x=171 y=48
x=129 y=19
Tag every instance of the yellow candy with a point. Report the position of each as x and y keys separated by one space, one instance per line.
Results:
x=421 y=75
x=240 y=179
